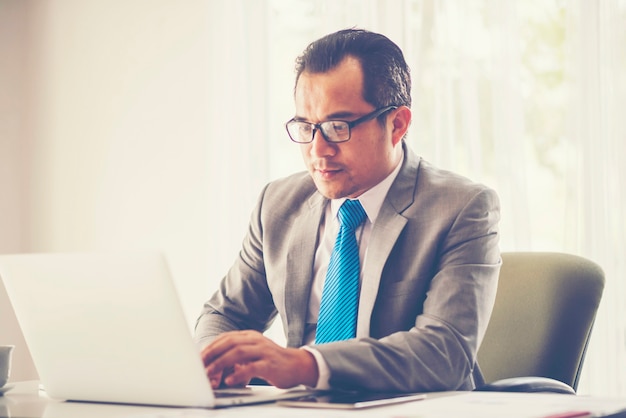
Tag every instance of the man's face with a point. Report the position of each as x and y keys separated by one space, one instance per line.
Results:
x=350 y=168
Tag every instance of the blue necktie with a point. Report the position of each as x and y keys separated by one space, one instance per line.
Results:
x=340 y=295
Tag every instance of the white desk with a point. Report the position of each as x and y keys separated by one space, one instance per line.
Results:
x=26 y=402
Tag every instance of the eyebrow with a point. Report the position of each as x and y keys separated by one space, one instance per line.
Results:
x=332 y=116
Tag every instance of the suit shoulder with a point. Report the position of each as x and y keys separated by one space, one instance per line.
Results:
x=431 y=177
x=295 y=187
x=439 y=188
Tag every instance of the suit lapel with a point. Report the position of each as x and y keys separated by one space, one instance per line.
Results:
x=298 y=282
x=385 y=232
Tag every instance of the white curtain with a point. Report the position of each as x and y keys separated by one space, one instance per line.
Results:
x=525 y=96
x=595 y=200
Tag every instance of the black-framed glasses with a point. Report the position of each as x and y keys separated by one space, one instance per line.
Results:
x=334 y=131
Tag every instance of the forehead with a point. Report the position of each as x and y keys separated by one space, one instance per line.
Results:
x=337 y=90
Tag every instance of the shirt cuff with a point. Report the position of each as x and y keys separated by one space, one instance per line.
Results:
x=322 y=369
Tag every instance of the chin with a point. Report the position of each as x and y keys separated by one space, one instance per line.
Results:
x=331 y=193
x=327 y=192
x=332 y=189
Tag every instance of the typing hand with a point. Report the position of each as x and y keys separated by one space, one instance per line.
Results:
x=217 y=379
x=234 y=358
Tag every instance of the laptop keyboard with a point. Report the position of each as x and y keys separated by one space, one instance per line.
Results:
x=232 y=392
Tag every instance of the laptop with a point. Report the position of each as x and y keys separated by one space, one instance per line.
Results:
x=109 y=327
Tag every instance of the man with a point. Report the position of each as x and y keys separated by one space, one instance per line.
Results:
x=427 y=250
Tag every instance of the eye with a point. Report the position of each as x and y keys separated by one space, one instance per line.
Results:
x=340 y=128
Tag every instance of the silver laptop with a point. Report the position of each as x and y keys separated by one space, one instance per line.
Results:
x=109 y=327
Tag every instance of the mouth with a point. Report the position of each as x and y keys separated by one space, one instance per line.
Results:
x=327 y=173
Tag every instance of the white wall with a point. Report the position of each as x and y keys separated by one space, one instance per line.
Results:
x=116 y=127
x=105 y=137
x=13 y=142
x=14 y=167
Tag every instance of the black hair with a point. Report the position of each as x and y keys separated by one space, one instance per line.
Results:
x=386 y=75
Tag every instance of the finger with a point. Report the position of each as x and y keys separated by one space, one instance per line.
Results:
x=215 y=349
x=215 y=379
x=226 y=341
x=240 y=375
x=239 y=354
x=236 y=348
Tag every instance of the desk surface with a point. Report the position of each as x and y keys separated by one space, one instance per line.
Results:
x=26 y=402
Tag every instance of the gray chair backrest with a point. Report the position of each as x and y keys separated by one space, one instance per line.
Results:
x=542 y=318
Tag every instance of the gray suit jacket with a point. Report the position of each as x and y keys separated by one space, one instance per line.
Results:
x=427 y=292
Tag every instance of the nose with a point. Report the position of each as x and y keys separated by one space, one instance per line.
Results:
x=320 y=147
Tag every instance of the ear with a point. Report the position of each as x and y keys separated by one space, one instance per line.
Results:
x=401 y=119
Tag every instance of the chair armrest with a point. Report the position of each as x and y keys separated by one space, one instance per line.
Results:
x=527 y=384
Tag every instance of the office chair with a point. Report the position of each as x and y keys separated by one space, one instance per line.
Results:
x=541 y=322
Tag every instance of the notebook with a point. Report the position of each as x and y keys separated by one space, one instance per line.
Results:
x=109 y=327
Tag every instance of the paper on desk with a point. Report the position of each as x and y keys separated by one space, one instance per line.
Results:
x=513 y=405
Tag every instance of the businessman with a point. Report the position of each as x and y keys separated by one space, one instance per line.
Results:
x=382 y=267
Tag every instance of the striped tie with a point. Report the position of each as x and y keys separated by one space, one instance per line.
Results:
x=340 y=296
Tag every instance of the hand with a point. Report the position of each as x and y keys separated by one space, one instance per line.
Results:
x=217 y=379
x=235 y=357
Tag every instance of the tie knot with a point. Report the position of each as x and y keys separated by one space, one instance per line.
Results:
x=351 y=214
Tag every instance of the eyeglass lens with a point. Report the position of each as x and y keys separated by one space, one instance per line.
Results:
x=333 y=131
